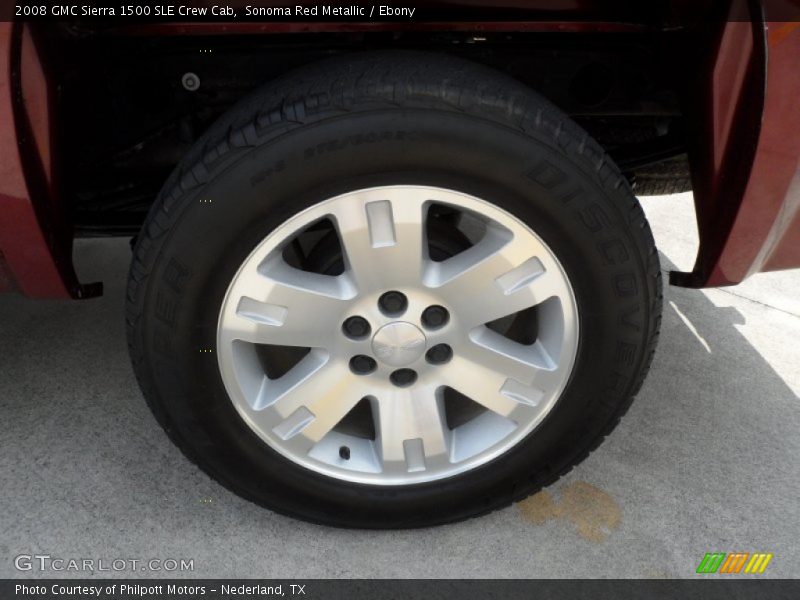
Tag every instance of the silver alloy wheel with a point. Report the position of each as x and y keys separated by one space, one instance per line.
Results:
x=383 y=237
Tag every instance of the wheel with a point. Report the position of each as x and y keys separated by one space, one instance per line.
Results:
x=392 y=290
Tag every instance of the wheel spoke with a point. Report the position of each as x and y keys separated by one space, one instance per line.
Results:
x=313 y=400
x=284 y=306
x=507 y=356
x=411 y=433
x=499 y=380
x=383 y=240
x=502 y=274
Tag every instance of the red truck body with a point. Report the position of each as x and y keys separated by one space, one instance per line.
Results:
x=744 y=145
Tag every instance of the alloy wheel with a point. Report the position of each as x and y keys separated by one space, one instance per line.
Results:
x=395 y=358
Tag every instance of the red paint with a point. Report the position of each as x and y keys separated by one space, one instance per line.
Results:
x=765 y=230
x=35 y=243
x=767 y=222
x=725 y=112
x=23 y=243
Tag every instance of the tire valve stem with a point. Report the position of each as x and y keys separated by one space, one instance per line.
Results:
x=344 y=452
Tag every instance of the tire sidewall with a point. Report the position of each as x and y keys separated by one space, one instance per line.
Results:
x=219 y=224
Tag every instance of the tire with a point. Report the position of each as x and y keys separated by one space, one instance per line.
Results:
x=671 y=176
x=391 y=121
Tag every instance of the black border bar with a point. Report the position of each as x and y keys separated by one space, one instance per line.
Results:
x=701 y=588
x=360 y=11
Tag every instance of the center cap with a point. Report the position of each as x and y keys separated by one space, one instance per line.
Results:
x=398 y=344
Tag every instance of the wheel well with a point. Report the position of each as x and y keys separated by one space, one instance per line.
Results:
x=128 y=110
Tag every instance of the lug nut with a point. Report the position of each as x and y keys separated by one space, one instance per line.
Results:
x=362 y=365
x=439 y=354
x=393 y=303
x=435 y=316
x=403 y=377
x=356 y=328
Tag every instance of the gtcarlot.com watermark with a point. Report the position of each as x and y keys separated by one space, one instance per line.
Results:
x=49 y=563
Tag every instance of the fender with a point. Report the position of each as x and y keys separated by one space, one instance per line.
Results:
x=35 y=235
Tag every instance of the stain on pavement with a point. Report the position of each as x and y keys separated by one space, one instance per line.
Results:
x=594 y=513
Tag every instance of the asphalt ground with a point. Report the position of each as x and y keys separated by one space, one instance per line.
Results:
x=706 y=460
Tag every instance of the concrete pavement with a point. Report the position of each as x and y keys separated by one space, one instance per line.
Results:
x=708 y=458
